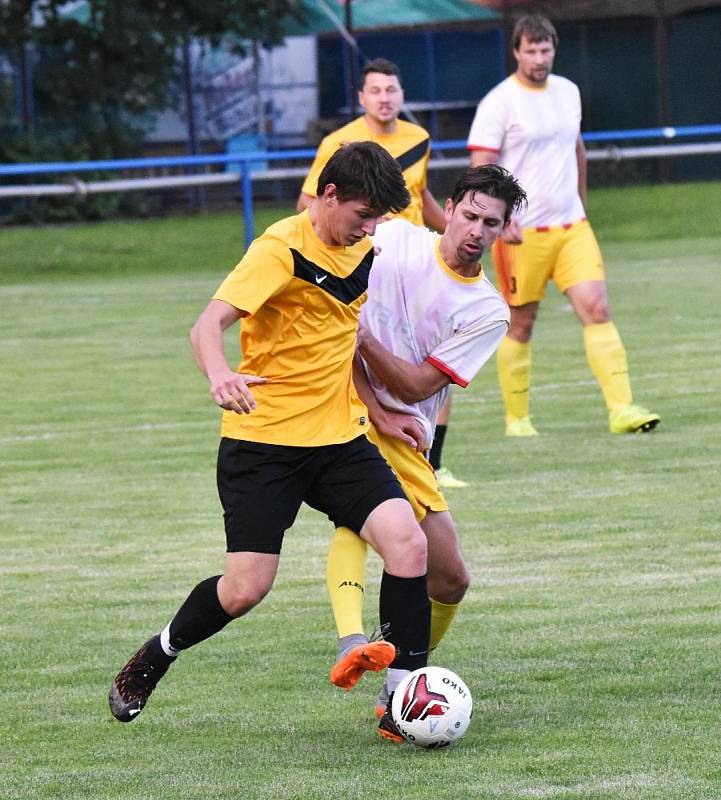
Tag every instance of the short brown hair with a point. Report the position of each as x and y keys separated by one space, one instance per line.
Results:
x=494 y=181
x=536 y=28
x=368 y=172
x=382 y=65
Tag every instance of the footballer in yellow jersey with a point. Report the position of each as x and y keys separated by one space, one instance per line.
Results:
x=292 y=427
x=302 y=299
x=409 y=144
x=381 y=97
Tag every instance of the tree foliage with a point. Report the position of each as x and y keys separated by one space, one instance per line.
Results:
x=101 y=67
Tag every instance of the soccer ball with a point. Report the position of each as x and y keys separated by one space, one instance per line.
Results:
x=432 y=707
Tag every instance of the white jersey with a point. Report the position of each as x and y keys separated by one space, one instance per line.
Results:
x=534 y=133
x=421 y=310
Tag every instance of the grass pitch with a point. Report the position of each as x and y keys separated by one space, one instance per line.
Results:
x=590 y=638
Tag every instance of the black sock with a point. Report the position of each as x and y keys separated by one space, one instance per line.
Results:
x=200 y=616
x=437 y=446
x=405 y=614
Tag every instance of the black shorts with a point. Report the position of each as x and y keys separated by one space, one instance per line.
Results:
x=262 y=486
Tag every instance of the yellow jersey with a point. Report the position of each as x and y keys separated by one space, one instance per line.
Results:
x=409 y=144
x=302 y=298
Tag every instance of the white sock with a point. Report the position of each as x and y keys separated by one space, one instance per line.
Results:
x=394 y=677
x=347 y=643
x=168 y=649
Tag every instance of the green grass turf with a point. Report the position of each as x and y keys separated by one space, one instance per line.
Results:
x=590 y=638
x=206 y=243
x=166 y=246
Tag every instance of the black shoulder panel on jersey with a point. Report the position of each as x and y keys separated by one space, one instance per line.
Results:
x=416 y=153
x=347 y=290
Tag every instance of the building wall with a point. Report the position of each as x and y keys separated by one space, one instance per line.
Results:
x=612 y=60
x=438 y=67
x=237 y=96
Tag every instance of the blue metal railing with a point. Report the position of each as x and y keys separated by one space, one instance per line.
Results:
x=155 y=161
x=668 y=132
x=245 y=159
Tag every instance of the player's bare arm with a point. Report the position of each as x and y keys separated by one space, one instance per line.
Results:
x=304 y=200
x=512 y=233
x=433 y=214
x=228 y=388
x=409 y=382
x=582 y=180
x=481 y=157
x=390 y=423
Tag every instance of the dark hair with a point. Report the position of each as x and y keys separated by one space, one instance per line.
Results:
x=493 y=181
x=366 y=171
x=382 y=65
x=536 y=28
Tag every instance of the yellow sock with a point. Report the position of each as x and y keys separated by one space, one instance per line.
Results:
x=345 y=577
x=442 y=615
x=513 y=361
x=607 y=358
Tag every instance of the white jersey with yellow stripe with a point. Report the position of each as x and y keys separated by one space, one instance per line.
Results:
x=421 y=310
x=534 y=133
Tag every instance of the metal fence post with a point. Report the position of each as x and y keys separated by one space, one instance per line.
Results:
x=247 y=190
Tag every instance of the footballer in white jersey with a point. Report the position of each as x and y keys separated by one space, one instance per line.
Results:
x=534 y=132
x=431 y=319
x=530 y=123
x=421 y=310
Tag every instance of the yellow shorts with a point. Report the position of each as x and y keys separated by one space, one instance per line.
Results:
x=414 y=472
x=566 y=254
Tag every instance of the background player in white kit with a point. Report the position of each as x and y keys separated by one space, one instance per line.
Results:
x=530 y=124
x=431 y=319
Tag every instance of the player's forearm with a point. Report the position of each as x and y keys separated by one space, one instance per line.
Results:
x=206 y=340
x=304 y=200
x=481 y=157
x=433 y=214
x=206 y=337
x=403 y=379
x=398 y=425
x=582 y=172
x=365 y=392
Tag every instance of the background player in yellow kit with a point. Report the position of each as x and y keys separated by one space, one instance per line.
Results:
x=381 y=98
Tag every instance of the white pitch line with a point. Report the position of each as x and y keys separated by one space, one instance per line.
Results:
x=50 y=435
x=549 y=388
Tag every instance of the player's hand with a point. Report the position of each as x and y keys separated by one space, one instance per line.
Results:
x=365 y=339
x=230 y=391
x=402 y=426
x=512 y=233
